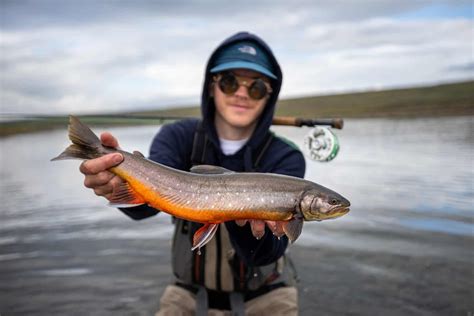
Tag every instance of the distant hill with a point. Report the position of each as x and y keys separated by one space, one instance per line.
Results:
x=440 y=100
x=455 y=99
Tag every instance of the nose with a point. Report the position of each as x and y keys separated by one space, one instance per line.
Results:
x=242 y=92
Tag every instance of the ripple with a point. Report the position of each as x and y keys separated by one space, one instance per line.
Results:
x=65 y=272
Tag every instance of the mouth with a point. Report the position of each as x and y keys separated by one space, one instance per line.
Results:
x=240 y=107
x=343 y=210
x=337 y=212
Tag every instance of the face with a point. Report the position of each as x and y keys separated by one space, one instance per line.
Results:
x=318 y=206
x=239 y=110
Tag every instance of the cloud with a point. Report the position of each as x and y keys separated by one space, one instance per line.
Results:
x=85 y=56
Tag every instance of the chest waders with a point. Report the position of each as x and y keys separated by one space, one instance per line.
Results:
x=217 y=276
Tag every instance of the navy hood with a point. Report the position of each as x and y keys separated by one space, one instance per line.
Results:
x=207 y=102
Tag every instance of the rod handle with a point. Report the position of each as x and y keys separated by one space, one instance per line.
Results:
x=337 y=123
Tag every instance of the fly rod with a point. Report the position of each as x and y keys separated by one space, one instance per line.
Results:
x=336 y=123
x=320 y=143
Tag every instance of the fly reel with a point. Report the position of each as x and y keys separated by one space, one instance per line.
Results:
x=321 y=144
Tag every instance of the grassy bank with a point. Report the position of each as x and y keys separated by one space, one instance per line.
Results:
x=441 y=100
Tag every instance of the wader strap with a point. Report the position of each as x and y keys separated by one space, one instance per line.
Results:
x=261 y=150
x=198 y=154
x=237 y=304
x=201 y=302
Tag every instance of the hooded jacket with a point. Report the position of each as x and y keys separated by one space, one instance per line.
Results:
x=173 y=146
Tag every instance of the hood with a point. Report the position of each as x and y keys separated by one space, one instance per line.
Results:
x=207 y=103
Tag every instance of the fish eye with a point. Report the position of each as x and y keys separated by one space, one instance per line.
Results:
x=333 y=202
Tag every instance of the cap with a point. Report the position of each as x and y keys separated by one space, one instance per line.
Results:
x=246 y=55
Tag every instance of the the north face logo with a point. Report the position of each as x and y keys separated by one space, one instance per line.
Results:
x=248 y=50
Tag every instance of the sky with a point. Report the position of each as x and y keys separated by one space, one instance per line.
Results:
x=89 y=56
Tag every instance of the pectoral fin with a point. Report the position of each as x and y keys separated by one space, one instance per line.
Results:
x=204 y=235
x=125 y=195
x=293 y=228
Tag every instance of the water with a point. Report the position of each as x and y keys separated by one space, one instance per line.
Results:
x=404 y=249
x=400 y=175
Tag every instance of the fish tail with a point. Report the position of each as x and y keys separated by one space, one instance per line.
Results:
x=85 y=144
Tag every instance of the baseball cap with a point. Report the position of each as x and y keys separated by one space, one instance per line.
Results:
x=246 y=55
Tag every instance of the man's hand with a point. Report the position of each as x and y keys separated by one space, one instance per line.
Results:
x=97 y=177
x=258 y=227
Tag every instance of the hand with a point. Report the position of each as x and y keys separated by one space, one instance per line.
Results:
x=97 y=177
x=258 y=227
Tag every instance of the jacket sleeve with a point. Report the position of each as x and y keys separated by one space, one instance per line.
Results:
x=169 y=147
x=269 y=248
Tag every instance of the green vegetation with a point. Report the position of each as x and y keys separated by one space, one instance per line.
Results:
x=442 y=100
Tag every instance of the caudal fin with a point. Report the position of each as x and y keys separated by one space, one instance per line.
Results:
x=85 y=144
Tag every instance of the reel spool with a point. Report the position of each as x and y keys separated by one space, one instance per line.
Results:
x=321 y=144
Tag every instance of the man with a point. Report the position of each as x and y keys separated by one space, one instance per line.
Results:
x=243 y=268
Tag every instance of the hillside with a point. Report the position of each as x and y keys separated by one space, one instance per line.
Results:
x=440 y=100
x=454 y=99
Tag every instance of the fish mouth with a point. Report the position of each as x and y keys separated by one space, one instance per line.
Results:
x=338 y=212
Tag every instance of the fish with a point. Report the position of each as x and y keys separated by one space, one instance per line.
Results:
x=209 y=194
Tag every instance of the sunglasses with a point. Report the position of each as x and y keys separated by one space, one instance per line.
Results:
x=230 y=83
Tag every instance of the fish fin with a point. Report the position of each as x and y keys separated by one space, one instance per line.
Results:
x=204 y=235
x=139 y=154
x=293 y=228
x=86 y=145
x=124 y=194
x=209 y=169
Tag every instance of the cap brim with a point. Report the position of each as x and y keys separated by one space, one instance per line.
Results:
x=243 y=65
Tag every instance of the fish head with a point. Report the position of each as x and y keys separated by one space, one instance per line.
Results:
x=318 y=205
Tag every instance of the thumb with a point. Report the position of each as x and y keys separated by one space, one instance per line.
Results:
x=109 y=140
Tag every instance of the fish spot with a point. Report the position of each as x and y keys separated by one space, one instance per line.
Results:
x=207 y=197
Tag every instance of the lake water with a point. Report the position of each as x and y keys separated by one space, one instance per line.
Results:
x=407 y=240
x=410 y=174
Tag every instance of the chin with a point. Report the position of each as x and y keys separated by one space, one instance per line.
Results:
x=239 y=120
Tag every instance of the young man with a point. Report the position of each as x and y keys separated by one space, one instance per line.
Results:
x=243 y=268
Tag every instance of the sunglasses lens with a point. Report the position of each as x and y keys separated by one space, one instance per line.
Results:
x=228 y=84
x=258 y=90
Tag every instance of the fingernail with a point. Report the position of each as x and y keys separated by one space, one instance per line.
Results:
x=117 y=158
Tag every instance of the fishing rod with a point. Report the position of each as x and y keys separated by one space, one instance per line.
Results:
x=337 y=123
x=320 y=143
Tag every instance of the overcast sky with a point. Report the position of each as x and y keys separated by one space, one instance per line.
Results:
x=60 y=57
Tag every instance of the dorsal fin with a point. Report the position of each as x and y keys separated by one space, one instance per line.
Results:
x=209 y=169
x=137 y=153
